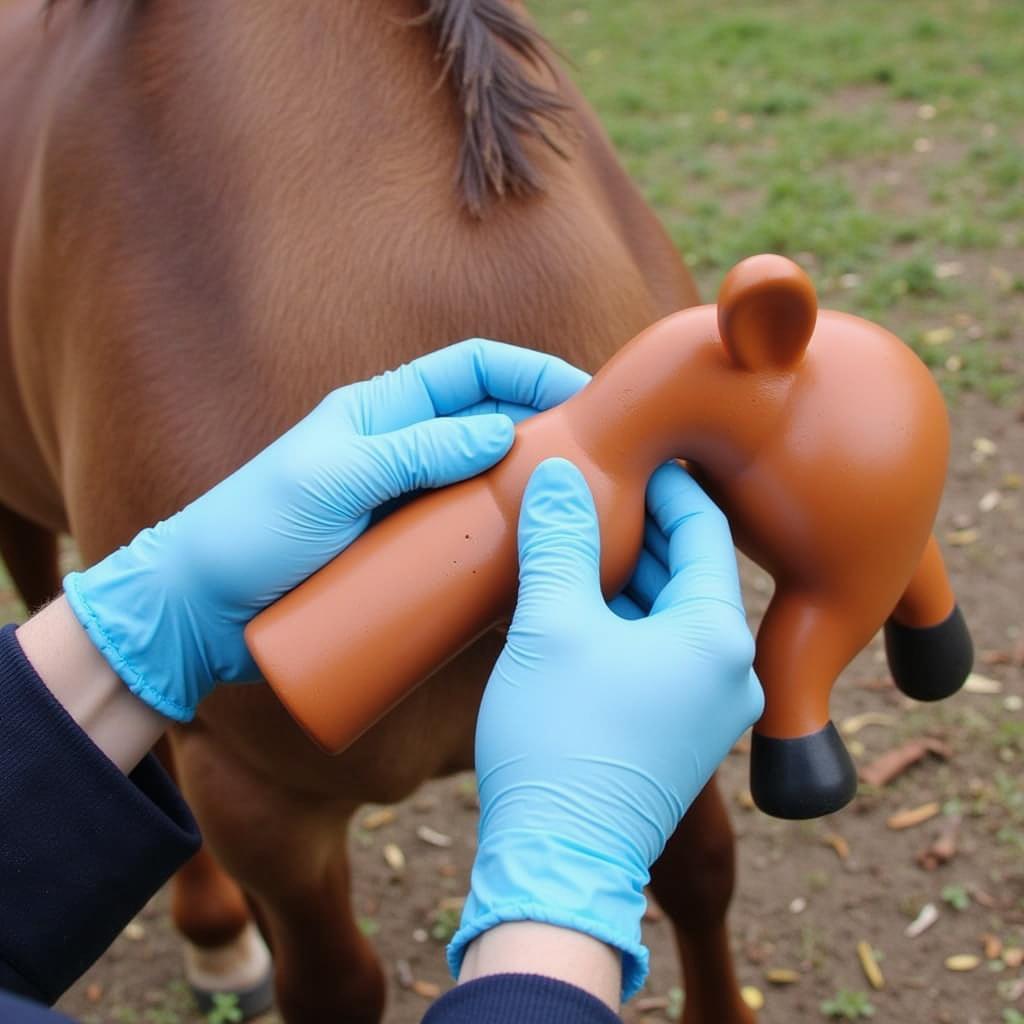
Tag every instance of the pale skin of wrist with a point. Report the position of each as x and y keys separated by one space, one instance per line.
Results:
x=529 y=947
x=58 y=648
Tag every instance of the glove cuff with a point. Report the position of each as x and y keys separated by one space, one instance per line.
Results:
x=529 y=876
x=123 y=609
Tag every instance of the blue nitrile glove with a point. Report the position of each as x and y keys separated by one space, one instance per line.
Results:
x=168 y=610
x=599 y=727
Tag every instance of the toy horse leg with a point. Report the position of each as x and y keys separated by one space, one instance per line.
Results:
x=693 y=881
x=927 y=643
x=30 y=554
x=799 y=766
x=290 y=856
x=224 y=952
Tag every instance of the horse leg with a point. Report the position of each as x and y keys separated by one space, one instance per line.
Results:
x=30 y=554
x=224 y=952
x=693 y=882
x=927 y=643
x=290 y=855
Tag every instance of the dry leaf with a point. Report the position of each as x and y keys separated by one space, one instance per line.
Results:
x=943 y=848
x=962 y=538
x=939 y=335
x=782 y=976
x=426 y=989
x=838 y=843
x=990 y=500
x=872 y=971
x=924 y=920
x=432 y=837
x=378 y=819
x=894 y=762
x=403 y=974
x=394 y=857
x=651 y=1003
x=982 y=684
x=912 y=816
x=993 y=946
x=753 y=997
x=1013 y=956
x=855 y=723
x=962 y=962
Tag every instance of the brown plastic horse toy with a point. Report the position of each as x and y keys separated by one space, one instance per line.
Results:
x=211 y=214
x=822 y=436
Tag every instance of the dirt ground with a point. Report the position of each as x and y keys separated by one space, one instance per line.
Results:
x=800 y=905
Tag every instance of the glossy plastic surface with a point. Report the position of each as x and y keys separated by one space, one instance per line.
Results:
x=821 y=435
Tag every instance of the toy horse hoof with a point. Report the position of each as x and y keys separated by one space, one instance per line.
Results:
x=932 y=662
x=804 y=777
x=236 y=979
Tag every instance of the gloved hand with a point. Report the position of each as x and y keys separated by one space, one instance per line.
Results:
x=168 y=611
x=598 y=728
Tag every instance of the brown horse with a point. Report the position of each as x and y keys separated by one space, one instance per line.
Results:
x=211 y=214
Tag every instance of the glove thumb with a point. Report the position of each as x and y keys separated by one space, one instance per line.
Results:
x=559 y=539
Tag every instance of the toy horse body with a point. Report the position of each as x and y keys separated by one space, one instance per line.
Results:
x=823 y=438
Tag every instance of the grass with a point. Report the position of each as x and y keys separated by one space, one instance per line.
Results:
x=875 y=145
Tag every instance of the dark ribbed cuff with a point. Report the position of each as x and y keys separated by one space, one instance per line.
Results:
x=82 y=845
x=519 y=999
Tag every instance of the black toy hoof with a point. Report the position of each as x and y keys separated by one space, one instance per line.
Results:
x=933 y=662
x=805 y=777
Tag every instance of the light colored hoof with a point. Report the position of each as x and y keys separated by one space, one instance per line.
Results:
x=240 y=974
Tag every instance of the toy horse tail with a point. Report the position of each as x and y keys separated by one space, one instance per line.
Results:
x=767 y=309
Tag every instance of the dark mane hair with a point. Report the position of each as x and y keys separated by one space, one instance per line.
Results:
x=479 y=42
x=483 y=45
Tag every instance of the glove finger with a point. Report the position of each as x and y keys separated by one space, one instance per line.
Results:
x=701 y=558
x=559 y=540
x=626 y=608
x=430 y=454
x=515 y=412
x=461 y=375
x=647 y=582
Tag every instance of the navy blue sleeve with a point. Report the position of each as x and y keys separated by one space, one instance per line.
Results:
x=82 y=846
x=519 y=999
x=14 y=1010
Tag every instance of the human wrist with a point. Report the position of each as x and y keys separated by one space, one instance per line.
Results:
x=529 y=947
x=134 y=606
x=83 y=682
x=533 y=876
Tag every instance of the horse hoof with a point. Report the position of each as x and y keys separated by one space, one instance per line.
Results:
x=804 y=777
x=238 y=975
x=933 y=662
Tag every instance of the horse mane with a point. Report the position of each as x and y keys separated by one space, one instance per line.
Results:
x=485 y=49
x=479 y=42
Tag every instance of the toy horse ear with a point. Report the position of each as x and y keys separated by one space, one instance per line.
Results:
x=766 y=313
